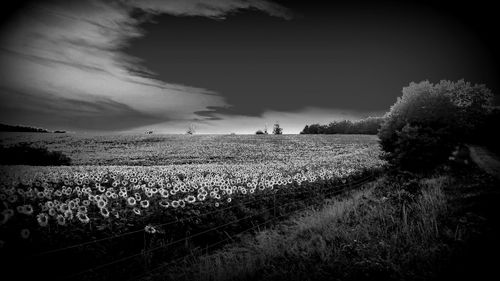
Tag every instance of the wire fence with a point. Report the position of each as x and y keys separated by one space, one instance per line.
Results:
x=206 y=248
x=348 y=186
x=171 y=222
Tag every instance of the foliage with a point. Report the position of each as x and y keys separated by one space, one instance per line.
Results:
x=428 y=121
x=259 y=132
x=369 y=126
x=24 y=154
x=474 y=105
x=277 y=130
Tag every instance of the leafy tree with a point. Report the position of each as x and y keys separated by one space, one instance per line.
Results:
x=428 y=121
x=474 y=104
x=277 y=130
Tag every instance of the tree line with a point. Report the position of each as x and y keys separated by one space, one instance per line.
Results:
x=368 y=126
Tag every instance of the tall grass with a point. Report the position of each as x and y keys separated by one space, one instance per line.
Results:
x=381 y=232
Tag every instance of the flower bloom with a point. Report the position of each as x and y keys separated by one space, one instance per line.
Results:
x=25 y=233
x=82 y=217
x=150 y=229
x=145 y=203
x=42 y=219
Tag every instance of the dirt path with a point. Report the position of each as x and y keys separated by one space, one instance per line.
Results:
x=486 y=160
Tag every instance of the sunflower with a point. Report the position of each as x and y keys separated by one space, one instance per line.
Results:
x=61 y=220
x=82 y=217
x=8 y=213
x=52 y=212
x=28 y=209
x=164 y=203
x=25 y=233
x=190 y=199
x=101 y=204
x=131 y=201
x=145 y=203
x=42 y=219
x=150 y=229
x=104 y=212
x=201 y=197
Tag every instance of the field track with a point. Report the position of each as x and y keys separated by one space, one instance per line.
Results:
x=485 y=160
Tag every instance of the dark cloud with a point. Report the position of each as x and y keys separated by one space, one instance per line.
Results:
x=341 y=56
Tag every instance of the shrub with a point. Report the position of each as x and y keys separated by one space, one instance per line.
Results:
x=420 y=130
x=24 y=154
x=259 y=132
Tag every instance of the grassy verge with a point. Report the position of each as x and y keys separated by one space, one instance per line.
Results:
x=393 y=229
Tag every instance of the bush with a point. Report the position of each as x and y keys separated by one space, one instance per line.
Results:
x=259 y=132
x=419 y=131
x=24 y=154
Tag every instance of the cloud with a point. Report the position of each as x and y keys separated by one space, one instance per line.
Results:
x=73 y=50
x=97 y=113
x=213 y=9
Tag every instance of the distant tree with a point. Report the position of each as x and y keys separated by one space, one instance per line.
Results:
x=368 y=126
x=191 y=130
x=277 y=130
x=259 y=132
x=17 y=128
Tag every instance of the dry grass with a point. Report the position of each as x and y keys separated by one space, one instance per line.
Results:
x=380 y=232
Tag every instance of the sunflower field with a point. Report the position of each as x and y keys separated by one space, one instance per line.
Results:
x=123 y=216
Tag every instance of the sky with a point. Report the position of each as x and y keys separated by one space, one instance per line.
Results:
x=230 y=66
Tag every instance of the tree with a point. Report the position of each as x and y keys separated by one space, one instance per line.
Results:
x=277 y=130
x=368 y=125
x=420 y=130
x=474 y=104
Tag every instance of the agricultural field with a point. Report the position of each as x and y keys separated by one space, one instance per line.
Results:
x=140 y=149
x=128 y=202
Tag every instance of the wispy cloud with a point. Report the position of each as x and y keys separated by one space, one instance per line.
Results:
x=73 y=50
